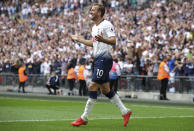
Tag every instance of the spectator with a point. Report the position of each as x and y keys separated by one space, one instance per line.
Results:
x=155 y=65
x=189 y=67
x=128 y=67
x=154 y=31
x=172 y=80
x=7 y=66
x=144 y=73
x=115 y=75
x=171 y=63
x=45 y=67
x=88 y=73
x=150 y=74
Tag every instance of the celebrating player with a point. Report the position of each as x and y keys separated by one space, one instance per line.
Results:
x=103 y=39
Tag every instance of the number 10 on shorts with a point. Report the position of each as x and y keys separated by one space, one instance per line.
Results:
x=99 y=73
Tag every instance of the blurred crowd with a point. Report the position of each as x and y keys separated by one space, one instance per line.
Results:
x=37 y=31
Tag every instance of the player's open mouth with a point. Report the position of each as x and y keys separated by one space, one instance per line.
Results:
x=90 y=16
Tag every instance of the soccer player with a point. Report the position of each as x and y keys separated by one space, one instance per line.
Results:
x=103 y=39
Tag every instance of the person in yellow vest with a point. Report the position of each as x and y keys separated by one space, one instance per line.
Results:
x=22 y=77
x=81 y=79
x=163 y=76
x=71 y=77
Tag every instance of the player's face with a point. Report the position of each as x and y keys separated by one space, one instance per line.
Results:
x=94 y=13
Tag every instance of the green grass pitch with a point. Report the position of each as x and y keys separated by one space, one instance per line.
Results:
x=18 y=114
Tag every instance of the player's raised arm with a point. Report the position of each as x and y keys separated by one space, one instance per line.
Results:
x=82 y=40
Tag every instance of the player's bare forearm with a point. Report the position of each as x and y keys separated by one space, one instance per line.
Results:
x=86 y=42
x=82 y=40
x=109 y=41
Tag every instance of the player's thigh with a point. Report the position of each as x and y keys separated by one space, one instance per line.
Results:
x=105 y=88
x=94 y=86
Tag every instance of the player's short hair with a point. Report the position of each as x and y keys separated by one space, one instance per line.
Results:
x=101 y=8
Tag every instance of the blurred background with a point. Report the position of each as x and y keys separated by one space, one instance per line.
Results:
x=35 y=32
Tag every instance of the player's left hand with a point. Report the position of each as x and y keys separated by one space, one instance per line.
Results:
x=99 y=38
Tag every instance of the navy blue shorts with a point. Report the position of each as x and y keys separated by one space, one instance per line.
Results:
x=102 y=66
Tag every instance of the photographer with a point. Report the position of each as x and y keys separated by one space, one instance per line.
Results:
x=53 y=83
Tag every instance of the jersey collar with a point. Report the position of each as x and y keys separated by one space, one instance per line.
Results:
x=100 y=22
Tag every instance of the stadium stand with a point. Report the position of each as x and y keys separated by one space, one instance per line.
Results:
x=147 y=30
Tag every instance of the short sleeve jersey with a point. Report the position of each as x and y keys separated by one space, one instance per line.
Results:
x=107 y=30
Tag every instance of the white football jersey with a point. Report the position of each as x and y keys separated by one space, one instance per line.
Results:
x=106 y=29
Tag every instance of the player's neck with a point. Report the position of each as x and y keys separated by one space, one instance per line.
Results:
x=99 y=21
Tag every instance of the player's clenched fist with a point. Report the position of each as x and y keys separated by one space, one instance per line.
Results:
x=99 y=38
